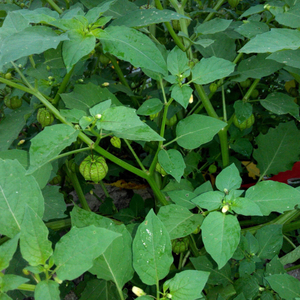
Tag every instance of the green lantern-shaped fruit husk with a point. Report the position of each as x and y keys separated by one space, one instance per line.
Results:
x=171 y=122
x=93 y=168
x=246 y=124
x=45 y=117
x=159 y=169
x=116 y=142
x=180 y=245
x=13 y=102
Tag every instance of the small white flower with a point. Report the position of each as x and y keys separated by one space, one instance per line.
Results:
x=105 y=84
x=137 y=291
x=191 y=100
x=98 y=116
x=225 y=208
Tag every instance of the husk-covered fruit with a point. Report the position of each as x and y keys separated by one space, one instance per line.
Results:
x=246 y=124
x=45 y=117
x=180 y=245
x=13 y=102
x=172 y=121
x=93 y=168
x=159 y=169
x=116 y=142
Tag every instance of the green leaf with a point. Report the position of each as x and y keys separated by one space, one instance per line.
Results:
x=152 y=250
x=86 y=96
x=270 y=239
x=31 y=40
x=242 y=146
x=172 y=162
x=274 y=267
x=195 y=130
x=288 y=57
x=229 y=179
x=39 y=15
x=7 y=251
x=4 y=296
x=221 y=236
x=278 y=149
x=210 y=200
x=216 y=277
x=76 y=250
x=291 y=17
x=49 y=143
x=187 y=285
x=252 y=28
x=213 y=26
x=211 y=69
x=146 y=17
x=11 y=282
x=289 y=258
x=183 y=198
x=191 y=160
x=34 y=243
x=247 y=285
x=72 y=115
x=47 y=290
x=55 y=205
x=280 y=104
x=100 y=108
x=243 y=110
x=246 y=207
x=177 y=61
x=17 y=190
x=182 y=94
x=131 y=45
x=286 y=286
x=79 y=45
x=275 y=40
x=246 y=267
x=257 y=67
x=179 y=221
x=256 y=9
x=21 y=156
x=100 y=289
x=150 y=107
x=15 y=120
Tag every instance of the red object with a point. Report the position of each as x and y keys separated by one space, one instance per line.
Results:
x=282 y=176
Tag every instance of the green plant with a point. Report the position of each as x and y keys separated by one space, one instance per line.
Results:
x=175 y=97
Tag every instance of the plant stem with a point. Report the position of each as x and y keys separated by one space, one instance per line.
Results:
x=193 y=246
x=250 y=90
x=224 y=103
x=55 y=6
x=292 y=268
x=157 y=290
x=160 y=196
x=26 y=287
x=289 y=241
x=32 y=61
x=104 y=188
x=180 y=261
x=63 y=86
x=60 y=224
x=135 y=156
x=216 y=7
x=224 y=146
x=70 y=153
x=21 y=75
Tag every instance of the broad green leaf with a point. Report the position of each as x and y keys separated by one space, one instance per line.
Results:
x=177 y=61
x=100 y=108
x=275 y=267
x=270 y=239
x=229 y=179
x=187 y=285
x=49 y=143
x=278 y=149
x=216 y=277
x=273 y=196
x=55 y=205
x=152 y=250
x=211 y=69
x=288 y=57
x=182 y=94
x=93 y=14
x=15 y=121
x=257 y=67
x=191 y=160
x=31 y=40
x=178 y=220
x=195 y=130
x=72 y=115
x=290 y=257
x=290 y=18
x=76 y=250
x=146 y=17
x=39 y=15
x=246 y=267
x=100 y=289
x=209 y=200
x=86 y=96
x=221 y=236
x=203 y=188
x=286 y=286
x=252 y=28
x=4 y=296
x=131 y=45
x=34 y=243
x=275 y=40
x=172 y=162
x=17 y=190
x=150 y=107
x=247 y=285
x=280 y=104
x=11 y=282
x=42 y=174
x=242 y=146
x=47 y=290
x=115 y=263
x=213 y=26
x=21 y=156
x=79 y=45
x=7 y=251
x=243 y=110
x=183 y=198
x=246 y=207
x=256 y=9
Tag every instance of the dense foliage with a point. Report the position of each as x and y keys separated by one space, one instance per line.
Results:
x=191 y=99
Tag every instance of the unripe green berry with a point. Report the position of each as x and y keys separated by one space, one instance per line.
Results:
x=213 y=87
x=152 y=117
x=45 y=117
x=246 y=124
x=13 y=102
x=246 y=83
x=212 y=169
x=159 y=169
x=254 y=94
x=116 y=142
x=233 y=3
x=93 y=168
x=172 y=121
x=8 y=76
x=104 y=60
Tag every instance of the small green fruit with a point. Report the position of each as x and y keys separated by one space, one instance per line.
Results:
x=45 y=117
x=197 y=230
x=8 y=76
x=104 y=60
x=72 y=165
x=254 y=94
x=213 y=87
x=159 y=169
x=246 y=124
x=233 y=3
x=180 y=245
x=13 y=102
x=172 y=121
x=152 y=117
x=176 y=25
x=116 y=142
x=212 y=169
x=93 y=168
x=246 y=83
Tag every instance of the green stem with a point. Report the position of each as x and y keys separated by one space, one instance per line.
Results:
x=180 y=261
x=157 y=290
x=104 y=189
x=135 y=156
x=160 y=196
x=193 y=246
x=59 y=224
x=21 y=75
x=289 y=241
x=70 y=153
x=32 y=61
x=78 y=189
x=224 y=103
x=224 y=146
x=26 y=287
x=291 y=226
x=63 y=86
x=216 y=7
x=55 y=6
x=292 y=268
x=250 y=90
